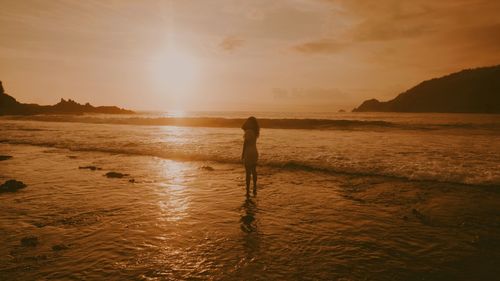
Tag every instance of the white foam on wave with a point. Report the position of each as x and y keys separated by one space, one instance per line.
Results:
x=424 y=155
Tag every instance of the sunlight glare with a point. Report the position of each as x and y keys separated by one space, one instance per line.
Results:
x=176 y=73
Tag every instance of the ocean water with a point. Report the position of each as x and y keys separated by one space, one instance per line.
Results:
x=458 y=148
x=340 y=197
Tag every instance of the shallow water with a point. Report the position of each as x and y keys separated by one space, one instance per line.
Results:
x=435 y=147
x=181 y=221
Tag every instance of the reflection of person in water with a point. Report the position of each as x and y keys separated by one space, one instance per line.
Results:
x=248 y=225
x=250 y=155
x=248 y=218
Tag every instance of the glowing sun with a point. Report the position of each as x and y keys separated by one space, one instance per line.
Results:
x=176 y=72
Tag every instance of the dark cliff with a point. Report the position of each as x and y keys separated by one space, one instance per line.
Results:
x=468 y=91
x=10 y=106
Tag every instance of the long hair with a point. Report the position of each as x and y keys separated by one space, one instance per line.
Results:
x=252 y=124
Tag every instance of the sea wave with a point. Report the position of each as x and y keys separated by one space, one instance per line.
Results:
x=271 y=123
x=212 y=122
x=290 y=165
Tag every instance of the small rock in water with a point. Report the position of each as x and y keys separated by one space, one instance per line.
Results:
x=39 y=224
x=207 y=168
x=424 y=219
x=59 y=247
x=93 y=168
x=29 y=241
x=115 y=175
x=131 y=180
x=5 y=157
x=72 y=156
x=11 y=186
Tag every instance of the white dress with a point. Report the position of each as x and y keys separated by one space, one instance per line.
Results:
x=251 y=155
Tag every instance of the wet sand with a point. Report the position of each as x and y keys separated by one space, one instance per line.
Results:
x=178 y=221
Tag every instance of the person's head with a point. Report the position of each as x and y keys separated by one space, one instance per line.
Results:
x=251 y=124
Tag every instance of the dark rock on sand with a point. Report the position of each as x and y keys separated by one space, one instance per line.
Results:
x=59 y=247
x=29 y=241
x=115 y=175
x=5 y=157
x=207 y=168
x=131 y=180
x=72 y=156
x=11 y=186
x=92 y=168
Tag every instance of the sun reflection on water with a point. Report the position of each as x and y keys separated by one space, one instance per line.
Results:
x=174 y=135
x=175 y=197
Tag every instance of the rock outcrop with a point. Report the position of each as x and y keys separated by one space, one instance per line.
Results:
x=10 y=106
x=468 y=91
x=5 y=157
x=116 y=175
x=11 y=186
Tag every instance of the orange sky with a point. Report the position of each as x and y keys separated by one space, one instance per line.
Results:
x=253 y=55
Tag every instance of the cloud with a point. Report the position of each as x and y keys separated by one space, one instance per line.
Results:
x=374 y=30
x=320 y=46
x=408 y=26
x=306 y=94
x=255 y=14
x=387 y=20
x=317 y=98
x=231 y=43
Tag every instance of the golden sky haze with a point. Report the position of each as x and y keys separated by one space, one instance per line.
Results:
x=314 y=55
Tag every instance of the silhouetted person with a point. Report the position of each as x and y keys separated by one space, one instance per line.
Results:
x=250 y=155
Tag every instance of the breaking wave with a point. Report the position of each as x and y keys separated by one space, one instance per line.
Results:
x=271 y=123
x=359 y=170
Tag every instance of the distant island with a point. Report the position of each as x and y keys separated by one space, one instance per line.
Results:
x=468 y=91
x=10 y=106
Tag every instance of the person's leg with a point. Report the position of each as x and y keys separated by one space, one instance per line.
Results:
x=248 y=173
x=254 y=173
